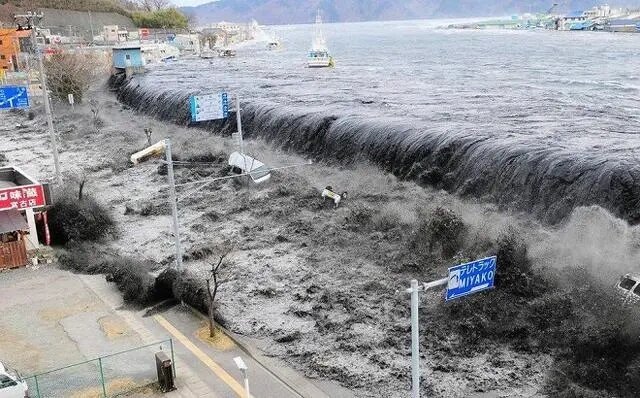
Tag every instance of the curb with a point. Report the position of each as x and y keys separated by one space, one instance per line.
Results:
x=260 y=359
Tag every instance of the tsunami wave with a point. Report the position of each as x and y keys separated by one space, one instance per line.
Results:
x=547 y=182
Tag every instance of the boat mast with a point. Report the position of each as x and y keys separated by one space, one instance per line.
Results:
x=319 y=38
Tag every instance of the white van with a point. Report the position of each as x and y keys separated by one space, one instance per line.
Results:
x=11 y=384
x=629 y=288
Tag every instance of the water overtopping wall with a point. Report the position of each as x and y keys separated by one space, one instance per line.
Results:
x=547 y=182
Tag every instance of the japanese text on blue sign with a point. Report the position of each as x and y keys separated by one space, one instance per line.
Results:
x=209 y=107
x=12 y=97
x=473 y=277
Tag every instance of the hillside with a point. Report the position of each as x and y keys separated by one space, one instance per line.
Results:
x=115 y=12
x=303 y=11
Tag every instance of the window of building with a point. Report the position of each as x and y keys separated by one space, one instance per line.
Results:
x=127 y=56
x=2 y=56
x=0 y=42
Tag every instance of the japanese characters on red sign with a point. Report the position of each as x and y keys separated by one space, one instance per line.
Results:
x=22 y=197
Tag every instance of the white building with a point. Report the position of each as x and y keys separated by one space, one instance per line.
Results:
x=187 y=43
x=603 y=11
x=114 y=34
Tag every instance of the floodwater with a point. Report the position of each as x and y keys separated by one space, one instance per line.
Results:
x=541 y=121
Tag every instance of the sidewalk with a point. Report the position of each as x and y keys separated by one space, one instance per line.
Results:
x=188 y=384
x=202 y=370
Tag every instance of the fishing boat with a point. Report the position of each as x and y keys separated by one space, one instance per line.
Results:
x=207 y=54
x=319 y=53
x=226 y=53
x=273 y=43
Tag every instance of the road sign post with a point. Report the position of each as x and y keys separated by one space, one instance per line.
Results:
x=32 y=20
x=463 y=280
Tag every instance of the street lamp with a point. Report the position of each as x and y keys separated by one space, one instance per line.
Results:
x=243 y=368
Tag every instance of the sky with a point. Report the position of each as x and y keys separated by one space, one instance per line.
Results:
x=182 y=3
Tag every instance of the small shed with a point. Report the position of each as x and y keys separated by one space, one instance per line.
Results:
x=13 y=232
x=128 y=59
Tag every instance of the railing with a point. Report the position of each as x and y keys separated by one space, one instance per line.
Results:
x=107 y=376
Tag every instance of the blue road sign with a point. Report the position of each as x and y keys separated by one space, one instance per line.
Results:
x=469 y=278
x=209 y=107
x=12 y=97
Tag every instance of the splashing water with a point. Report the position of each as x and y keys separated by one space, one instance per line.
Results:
x=533 y=120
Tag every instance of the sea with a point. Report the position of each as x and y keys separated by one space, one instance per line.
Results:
x=538 y=120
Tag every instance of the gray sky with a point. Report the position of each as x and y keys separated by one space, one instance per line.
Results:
x=182 y=3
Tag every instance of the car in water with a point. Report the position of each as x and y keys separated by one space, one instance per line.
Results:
x=629 y=288
x=11 y=384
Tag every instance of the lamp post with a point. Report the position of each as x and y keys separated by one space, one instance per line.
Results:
x=174 y=204
x=243 y=368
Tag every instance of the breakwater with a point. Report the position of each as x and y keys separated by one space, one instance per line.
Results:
x=543 y=180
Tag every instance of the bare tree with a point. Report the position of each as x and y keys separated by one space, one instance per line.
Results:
x=94 y=105
x=153 y=5
x=214 y=282
x=78 y=176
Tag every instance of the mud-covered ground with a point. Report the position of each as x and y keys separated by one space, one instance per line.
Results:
x=319 y=287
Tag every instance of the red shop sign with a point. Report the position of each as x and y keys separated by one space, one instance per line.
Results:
x=22 y=197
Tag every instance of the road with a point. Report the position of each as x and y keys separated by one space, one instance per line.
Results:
x=52 y=318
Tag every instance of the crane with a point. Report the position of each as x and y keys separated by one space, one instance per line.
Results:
x=553 y=7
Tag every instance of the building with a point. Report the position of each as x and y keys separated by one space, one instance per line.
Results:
x=603 y=11
x=187 y=43
x=21 y=196
x=570 y=19
x=115 y=34
x=624 y=25
x=127 y=59
x=12 y=43
x=158 y=52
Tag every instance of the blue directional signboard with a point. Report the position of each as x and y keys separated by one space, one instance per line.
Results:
x=13 y=97
x=469 y=278
x=209 y=107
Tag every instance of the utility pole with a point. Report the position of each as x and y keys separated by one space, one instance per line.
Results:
x=239 y=121
x=174 y=204
x=91 y=25
x=33 y=19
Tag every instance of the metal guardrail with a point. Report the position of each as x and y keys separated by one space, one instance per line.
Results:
x=107 y=376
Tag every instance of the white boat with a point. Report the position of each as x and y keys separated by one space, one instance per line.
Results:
x=273 y=42
x=226 y=53
x=319 y=53
x=207 y=54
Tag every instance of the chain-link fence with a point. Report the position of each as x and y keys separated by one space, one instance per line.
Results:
x=112 y=375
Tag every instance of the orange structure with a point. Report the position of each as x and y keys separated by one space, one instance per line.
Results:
x=10 y=47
